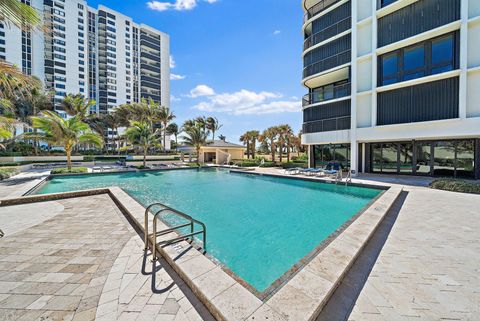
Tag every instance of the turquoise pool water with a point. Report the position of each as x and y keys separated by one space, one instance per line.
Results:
x=258 y=226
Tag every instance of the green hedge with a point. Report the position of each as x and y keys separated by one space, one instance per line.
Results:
x=294 y=165
x=456 y=185
x=7 y=172
x=74 y=170
x=268 y=164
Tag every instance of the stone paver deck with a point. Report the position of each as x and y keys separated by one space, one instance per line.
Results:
x=83 y=263
x=429 y=266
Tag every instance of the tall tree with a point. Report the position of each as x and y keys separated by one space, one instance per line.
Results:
x=245 y=139
x=269 y=136
x=213 y=125
x=77 y=105
x=173 y=129
x=32 y=105
x=195 y=136
x=63 y=132
x=254 y=135
x=19 y=14
x=143 y=136
x=222 y=137
x=165 y=116
x=284 y=134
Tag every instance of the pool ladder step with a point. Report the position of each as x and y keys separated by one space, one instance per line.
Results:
x=151 y=239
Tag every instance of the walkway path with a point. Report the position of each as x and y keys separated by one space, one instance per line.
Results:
x=82 y=263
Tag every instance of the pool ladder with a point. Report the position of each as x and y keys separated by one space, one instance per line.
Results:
x=151 y=239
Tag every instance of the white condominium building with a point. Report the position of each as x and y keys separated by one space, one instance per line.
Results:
x=99 y=53
x=393 y=85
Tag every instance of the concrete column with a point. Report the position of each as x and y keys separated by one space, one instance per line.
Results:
x=353 y=81
x=463 y=59
x=374 y=63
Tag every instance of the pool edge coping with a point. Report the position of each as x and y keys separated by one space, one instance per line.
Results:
x=296 y=300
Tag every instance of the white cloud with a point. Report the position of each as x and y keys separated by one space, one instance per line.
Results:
x=179 y=5
x=201 y=91
x=174 y=98
x=177 y=77
x=277 y=32
x=245 y=102
x=172 y=62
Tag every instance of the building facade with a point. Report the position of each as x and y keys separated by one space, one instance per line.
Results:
x=393 y=85
x=99 y=53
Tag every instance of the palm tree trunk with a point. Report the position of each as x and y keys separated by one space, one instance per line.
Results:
x=281 y=152
x=254 y=146
x=144 y=156
x=164 y=137
x=273 y=151
x=248 y=149
x=198 y=156
x=68 y=150
x=288 y=153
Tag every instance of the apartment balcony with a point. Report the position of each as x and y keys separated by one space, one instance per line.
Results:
x=150 y=56
x=329 y=32
x=153 y=80
x=327 y=125
x=328 y=94
x=327 y=63
x=150 y=67
x=317 y=8
x=150 y=39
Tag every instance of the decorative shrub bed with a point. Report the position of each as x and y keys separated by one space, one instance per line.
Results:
x=74 y=170
x=456 y=185
x=7 y=173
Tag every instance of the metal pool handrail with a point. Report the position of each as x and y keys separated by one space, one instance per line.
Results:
x=166 y=231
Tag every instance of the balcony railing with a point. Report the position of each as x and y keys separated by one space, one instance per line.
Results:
x=327 y=94
x=327 y=125
x=317 y=8
x=327 y=63
x=327 y=33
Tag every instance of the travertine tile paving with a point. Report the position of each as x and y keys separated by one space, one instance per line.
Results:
x=428 y=268
x=83 y=263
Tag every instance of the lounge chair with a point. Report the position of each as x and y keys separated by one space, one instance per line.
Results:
x=292 y=171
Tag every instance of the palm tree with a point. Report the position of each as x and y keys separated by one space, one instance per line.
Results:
x=63 y=132
x=15 y=84
x=77 y=105
x=165 y=116
x=222 y=137
x=269 y=136
x=26 y=18
x=253 y=135
x=188 y=123
x=144 y=136
x=285 y=132
x=245 y=139
x=213 y=125
x=195 y=137
x=173 y=129
x=19 y=14
x=32 y=105
x=202 y=122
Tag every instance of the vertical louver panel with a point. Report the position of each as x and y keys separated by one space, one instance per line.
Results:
x=431 y=101
x=416 y=18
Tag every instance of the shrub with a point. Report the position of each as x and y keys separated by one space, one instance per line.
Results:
x=294 y=164
x=74 y=170
x=10 y=164
x=7 y=172
x=142 y=167
x=300 y=159
x=268 y=164
x=456 y=185
x=246 y=163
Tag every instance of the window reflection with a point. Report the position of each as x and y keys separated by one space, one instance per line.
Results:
x=423 y=154
x=325 y=154
x=466 y=159
x=444 y=159
x=406 y=158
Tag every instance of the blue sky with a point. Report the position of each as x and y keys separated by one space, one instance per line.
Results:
x=238 y=60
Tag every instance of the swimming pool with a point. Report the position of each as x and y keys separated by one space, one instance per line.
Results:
x=258 y=226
